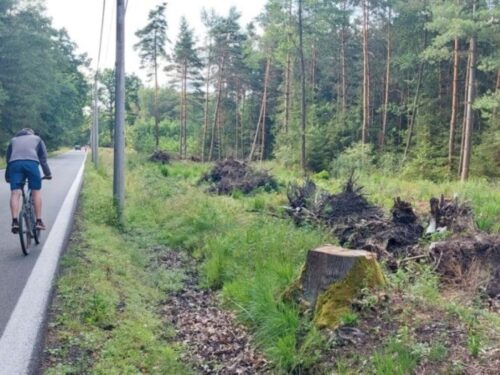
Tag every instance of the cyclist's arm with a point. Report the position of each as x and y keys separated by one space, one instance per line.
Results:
x=42 y=156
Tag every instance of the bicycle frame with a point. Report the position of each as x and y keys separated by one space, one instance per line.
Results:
x=27 y=221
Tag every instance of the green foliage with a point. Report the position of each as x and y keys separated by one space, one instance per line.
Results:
x=358 y=158
x=419 y=281
x=398 y=357
x=49 y=96
x=473 y=344
x=350 y=319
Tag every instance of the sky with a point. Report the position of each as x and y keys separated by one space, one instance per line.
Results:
x=82 y=20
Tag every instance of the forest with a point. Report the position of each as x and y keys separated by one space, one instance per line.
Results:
x=407 y=86
x=42 y=84
x=315 y=192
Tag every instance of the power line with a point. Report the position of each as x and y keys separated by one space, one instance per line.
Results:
x=95 y=124
x=100 y=37
x=110 y=30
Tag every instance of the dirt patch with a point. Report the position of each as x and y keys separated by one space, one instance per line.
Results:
x=214 y=343
x=232 y=175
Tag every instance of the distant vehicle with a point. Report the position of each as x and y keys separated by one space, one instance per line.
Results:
x=78 y=147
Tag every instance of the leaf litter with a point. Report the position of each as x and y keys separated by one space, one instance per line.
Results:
x=214 y=342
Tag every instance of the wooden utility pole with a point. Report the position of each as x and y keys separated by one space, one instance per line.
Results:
x=119 y=155
x=95 y=128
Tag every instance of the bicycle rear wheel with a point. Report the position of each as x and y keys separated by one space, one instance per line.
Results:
x=25 y=232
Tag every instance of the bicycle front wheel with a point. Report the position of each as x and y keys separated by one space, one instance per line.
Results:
x=25 y=232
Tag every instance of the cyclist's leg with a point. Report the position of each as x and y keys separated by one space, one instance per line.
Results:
x=15 y=196
x=17 y=177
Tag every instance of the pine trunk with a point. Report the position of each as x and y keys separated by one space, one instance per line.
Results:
x=464 y=119
x=343 y=68
x=303 y=92
x=414 y=109
x=215 y=125
x=497 y=88
x=454 y=105
x=207 y=102
x=366 y=76
x=387 y=82
x=288 y=73
x=157 y=119
x=469 y=124
x=261 y=120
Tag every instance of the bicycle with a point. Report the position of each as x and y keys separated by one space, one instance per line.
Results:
x=27 y=221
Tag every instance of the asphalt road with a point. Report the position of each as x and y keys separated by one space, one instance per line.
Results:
x=15 y=268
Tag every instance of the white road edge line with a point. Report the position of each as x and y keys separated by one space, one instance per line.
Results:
x=23 y=331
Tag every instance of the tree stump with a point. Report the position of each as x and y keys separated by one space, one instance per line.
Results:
x=331 y=279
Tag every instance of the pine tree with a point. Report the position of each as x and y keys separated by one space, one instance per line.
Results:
x=187 y=65
x=151 y=47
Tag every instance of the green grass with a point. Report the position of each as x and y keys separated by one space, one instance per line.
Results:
x=106 y=320
x=251 y=257
x=111 y=286
x=398 y=357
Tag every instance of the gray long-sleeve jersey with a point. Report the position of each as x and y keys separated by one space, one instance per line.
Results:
x=26 y=146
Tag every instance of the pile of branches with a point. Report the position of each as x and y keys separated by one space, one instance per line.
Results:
x=232 y=175
x=160 y=156
x=353 y=220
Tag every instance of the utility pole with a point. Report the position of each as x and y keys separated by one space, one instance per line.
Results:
x=95 y=128
x=119 y=154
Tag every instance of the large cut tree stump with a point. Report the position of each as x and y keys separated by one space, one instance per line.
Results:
x=332 y=277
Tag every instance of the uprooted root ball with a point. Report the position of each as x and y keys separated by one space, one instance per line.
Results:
x=355 y=222
x=160 y=156
x=232 y=175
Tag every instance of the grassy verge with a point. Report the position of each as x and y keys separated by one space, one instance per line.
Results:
x=104 y=316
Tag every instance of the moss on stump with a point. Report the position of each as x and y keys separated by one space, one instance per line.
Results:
x=331 y=278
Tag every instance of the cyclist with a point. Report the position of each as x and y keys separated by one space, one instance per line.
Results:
x=26 y=151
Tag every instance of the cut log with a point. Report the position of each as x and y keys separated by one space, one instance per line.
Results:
x=332 y=277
